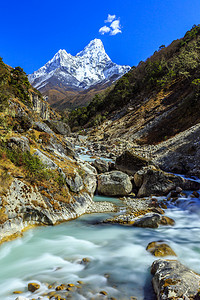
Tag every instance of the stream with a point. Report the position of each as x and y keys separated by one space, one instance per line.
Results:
x=116 y=259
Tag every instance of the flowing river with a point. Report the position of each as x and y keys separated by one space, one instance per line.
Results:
x=115 y=259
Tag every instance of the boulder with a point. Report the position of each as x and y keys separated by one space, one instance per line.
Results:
x=101 y=165
x=40 y=126
x=89 y=176
x=167 y=221
x=18 y=144
x=153 y=181
x=172 y=280
x=32 y=287
x=149 y=220
x=114 y=183
x=160 y=249
x=59 y=127
x=130 y=163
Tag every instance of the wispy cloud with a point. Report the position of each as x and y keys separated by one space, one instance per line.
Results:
x=114 y=28
x=110 y=18
x=104 y=29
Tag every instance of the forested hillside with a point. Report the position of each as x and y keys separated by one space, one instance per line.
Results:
x=167 y=82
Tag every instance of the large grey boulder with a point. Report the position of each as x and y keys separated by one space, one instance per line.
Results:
x=59 y=127
x=172 y=280
x=149 y=220
x=101 y=165
x=18 y=144
x=40 y=126
x=153 y=181
x=130 y=163
x=114 y=183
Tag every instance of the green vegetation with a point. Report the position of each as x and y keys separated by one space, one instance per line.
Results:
x=13 y=83
x=179 y=61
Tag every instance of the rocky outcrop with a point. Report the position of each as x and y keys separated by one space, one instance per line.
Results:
x=152 y=181
x=130 y=163
x=59 y=127
x=180 y=154
x=172 y=280
x=48 y=162
x=26 y=205
x=40 y=106
x=89 y=175
x=40 y=126
x=114 y=183
x=18 y=143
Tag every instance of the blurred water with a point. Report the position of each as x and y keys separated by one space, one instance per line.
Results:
x=118 y=261
x=53 y=254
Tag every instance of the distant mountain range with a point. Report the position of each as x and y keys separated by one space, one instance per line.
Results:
x=66 y=77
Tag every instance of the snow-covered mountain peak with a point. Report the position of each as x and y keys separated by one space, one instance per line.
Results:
x=90 y=66
x=94 y=47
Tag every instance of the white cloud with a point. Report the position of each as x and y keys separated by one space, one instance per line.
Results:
x=114 y=28
x=104 y=29
x=110 y=18
x=115 y=31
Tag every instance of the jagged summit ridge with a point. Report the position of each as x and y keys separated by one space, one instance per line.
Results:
x=88 y=67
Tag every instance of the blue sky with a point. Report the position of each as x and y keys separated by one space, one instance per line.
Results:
x=31 y=32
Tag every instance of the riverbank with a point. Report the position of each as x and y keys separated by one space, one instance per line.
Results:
x=124 y=235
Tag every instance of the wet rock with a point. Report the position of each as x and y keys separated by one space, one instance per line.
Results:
x=130 y=163
x=32 y=287
x=22 y=298
x=167 y=221
x=85 y=261
x=103 y=293
x=150 y=220
x=172 y=280
x=61 y=287
x=114 y=183
x=101 y=165
x=195 y=194
x=160 y=249
x=18 y=144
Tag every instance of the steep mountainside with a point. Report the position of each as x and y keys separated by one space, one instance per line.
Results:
x=41 y=179
x=154 y=101
x=64 y=76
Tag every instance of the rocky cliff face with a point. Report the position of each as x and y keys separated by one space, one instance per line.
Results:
x=42 y=182
x=40 y=106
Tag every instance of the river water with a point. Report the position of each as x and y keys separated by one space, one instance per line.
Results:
x=117 y=261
